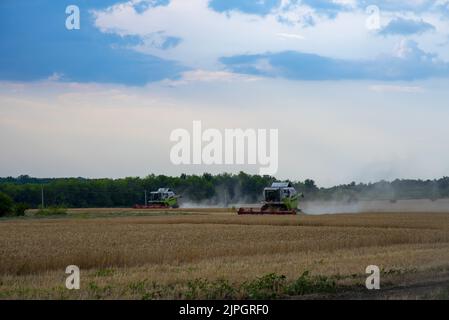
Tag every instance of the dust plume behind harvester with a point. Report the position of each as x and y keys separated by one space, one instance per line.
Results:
x=280 y=198
x=163 y=198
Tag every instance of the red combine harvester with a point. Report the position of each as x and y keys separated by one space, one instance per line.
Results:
x=281 y=198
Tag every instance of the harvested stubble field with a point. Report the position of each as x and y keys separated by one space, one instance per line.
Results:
x=213 y=253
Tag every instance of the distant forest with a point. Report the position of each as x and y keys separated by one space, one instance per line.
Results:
x=223 y=189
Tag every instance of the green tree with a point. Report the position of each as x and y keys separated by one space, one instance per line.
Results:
x=310 y=185
x=6 y=204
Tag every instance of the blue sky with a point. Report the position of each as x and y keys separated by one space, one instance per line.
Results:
x=353 y=100
x=36 y=45
x=294 y=65
x=403 y=26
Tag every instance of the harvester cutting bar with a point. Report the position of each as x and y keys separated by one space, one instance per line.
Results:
x=137 y=206
x=259 y=211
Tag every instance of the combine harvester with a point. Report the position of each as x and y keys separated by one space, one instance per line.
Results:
x=280 y=198
x=163 y=198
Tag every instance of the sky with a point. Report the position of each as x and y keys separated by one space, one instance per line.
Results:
x=357 y=89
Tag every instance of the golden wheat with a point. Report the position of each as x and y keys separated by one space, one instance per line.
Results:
x=173 y=249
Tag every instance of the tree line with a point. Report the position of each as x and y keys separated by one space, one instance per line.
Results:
x=222 y=189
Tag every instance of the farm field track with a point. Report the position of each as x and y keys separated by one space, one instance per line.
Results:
x=213 y=253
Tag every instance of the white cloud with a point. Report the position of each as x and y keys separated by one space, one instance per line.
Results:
x=209 y=77
x=294 y=36
x=56 y=76
x=396 y=89
x=208 y=35
x=408 y=49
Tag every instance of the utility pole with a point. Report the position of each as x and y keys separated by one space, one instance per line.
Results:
x=42 y=197
x=146 y=203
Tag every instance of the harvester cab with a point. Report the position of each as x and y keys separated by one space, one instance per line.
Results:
x=160 y=199
x=280 y=198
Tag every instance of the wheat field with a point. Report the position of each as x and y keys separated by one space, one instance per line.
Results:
x=128 y=256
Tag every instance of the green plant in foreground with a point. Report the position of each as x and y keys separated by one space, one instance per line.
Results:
x=204 y=289
x=51 y=211
x=104 y=272
x=270 y=286
x=307 y=284
x=196 y=288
